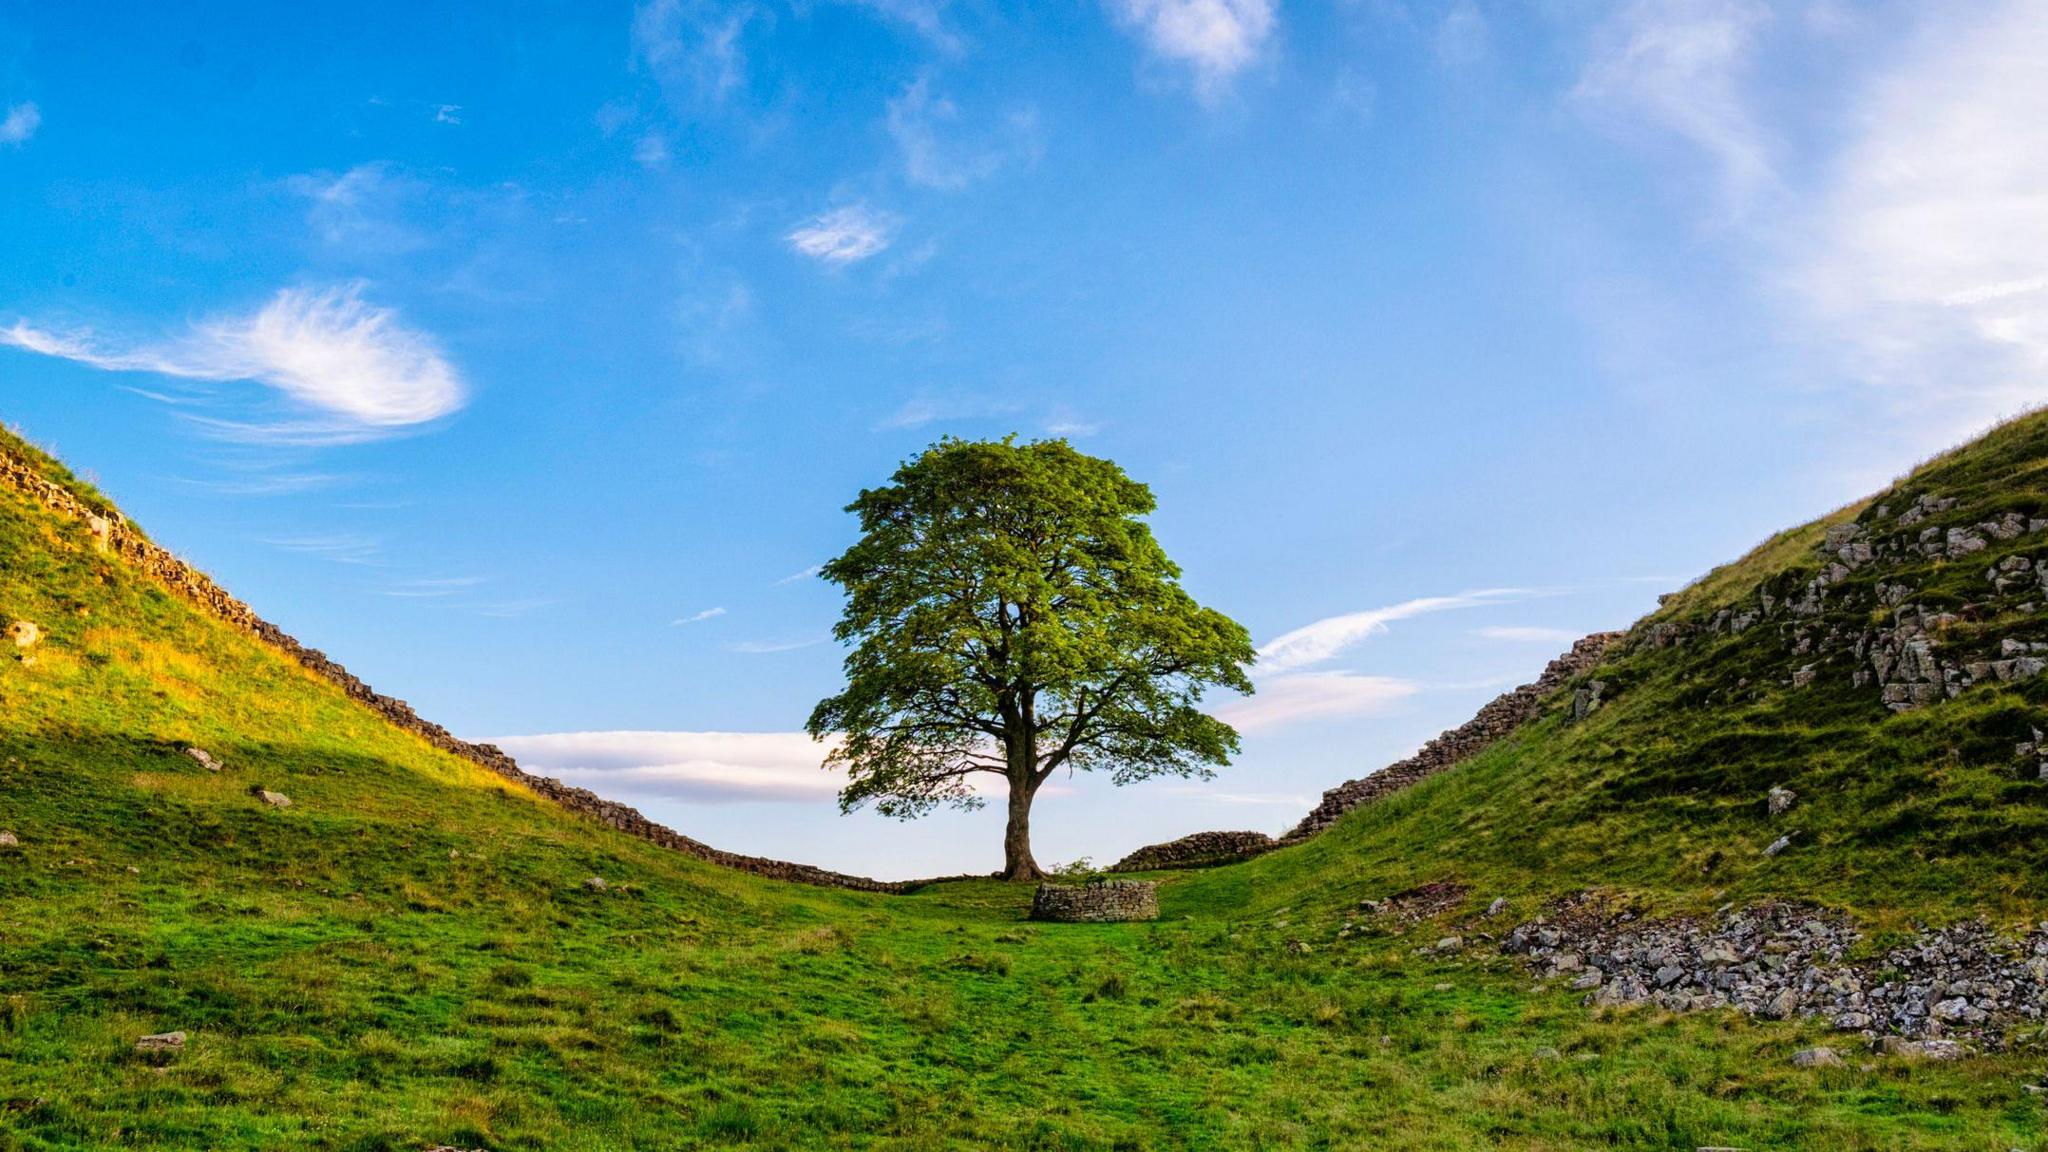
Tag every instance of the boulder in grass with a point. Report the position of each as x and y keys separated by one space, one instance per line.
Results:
x=274 y=799
x=204 y=758
x=1817 y=1058
x=161 y=1042
x=1780 y=800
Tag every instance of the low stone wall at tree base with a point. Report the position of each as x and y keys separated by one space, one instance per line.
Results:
x=1098 y=902
x=112 y=534
x=1200 y=850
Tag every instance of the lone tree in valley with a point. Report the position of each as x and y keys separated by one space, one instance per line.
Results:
x=1011 y=615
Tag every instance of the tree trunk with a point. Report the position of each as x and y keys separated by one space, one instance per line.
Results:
x=1017 y=861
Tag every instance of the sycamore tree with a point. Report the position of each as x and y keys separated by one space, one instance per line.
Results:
x=1009 y=616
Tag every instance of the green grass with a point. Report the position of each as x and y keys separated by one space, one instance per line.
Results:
x=407 y=955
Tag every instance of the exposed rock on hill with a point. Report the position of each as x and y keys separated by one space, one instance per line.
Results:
x=1896 y=601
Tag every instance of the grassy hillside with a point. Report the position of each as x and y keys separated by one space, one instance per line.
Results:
x=409 y=955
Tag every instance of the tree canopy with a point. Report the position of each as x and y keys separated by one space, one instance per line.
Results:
x=1010 y=615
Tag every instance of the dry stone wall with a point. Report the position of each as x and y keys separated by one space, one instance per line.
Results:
x=1499 y=717
x=1099 y=902
x=113 y=535
x=1197 y=851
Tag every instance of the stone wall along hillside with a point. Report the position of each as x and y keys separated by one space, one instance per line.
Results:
x=112 y=535
x=1497 y=719
x=1197 y=851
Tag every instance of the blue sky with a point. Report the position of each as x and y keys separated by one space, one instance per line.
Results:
x=525 y=362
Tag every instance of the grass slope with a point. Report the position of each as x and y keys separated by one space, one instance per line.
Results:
x=408 y=956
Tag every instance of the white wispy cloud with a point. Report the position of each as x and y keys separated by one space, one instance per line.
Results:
x=1212 y=795
x=513 y=609
x=431 y=588
x=925 y=17
x=1216 y=39
x=843 y=235
x=932 y=407
x=651 y=150
x=1314 y=643
x=354 y=370
x=1528 y=634
x=259 y=483
x=1303 y=696
x=938 y=153
x=1925 y=253
x=1464 y=37
x=698 y=617
x=693 y=48
x=359 y=210
x=793 y=577
x=1679 y=67
x=710 y=767
x=340 y=547
x=769 y=647
x=20 y=123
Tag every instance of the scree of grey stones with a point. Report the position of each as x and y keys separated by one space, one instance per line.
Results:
x=1962 y=983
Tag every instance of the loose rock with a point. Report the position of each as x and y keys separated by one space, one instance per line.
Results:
x=274 y=799
x=1817 y=1058
x=204 y=758
x=1786 y=961
x=1780 y=800
x=161 y=1042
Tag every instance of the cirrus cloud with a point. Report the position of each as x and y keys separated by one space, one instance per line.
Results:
x=1324 y=639
x=352 y=370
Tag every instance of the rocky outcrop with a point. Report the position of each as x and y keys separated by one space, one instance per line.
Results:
x=1500 y=717
x=1200 y=850
x=112 y=535
x=1098 y=902
x=1873 y=609
x=1964 y=982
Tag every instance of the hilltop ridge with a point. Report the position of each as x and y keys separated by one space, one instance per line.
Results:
x=31 y=473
